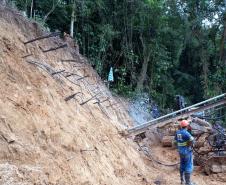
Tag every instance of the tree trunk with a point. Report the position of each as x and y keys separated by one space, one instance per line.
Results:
x=143 y=73
x=142 y=76
x=72 y=20
x=31 y=11
x=205 y=67
x=223 y=43
x=51 y=11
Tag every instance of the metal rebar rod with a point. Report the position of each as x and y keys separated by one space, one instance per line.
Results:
x=56 y=48
x=43 y=37
x=72 y=74
x=57 y=72
x=25 y=56
x=89 y=99
x=82 y=77
x=71 y=96
x=71 y=60
x=98 y=101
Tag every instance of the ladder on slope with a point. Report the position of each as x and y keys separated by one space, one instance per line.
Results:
x=180 y=114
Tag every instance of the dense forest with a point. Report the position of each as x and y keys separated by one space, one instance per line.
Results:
x=161 y=47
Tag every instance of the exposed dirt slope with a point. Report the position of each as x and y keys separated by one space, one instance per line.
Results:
x=46 y=140
x=42 y=136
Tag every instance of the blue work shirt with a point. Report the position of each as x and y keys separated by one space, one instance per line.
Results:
x=182 y=138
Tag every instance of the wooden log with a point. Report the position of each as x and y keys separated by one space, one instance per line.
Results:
x=56 y=48
x=43 y=37
x=199 y=144
x=167 y=141
x=201 y=122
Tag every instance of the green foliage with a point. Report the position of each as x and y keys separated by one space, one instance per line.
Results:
x=180 y=40
x=121 y=87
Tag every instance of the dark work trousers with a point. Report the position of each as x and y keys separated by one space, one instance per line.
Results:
x=186 y=168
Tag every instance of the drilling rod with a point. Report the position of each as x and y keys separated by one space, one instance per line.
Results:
x=183 y=113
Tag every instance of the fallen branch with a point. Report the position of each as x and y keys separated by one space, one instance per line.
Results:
x=53 y=49
x=43 y=37
x=71 y=96
x=57 y=72
x=89 y=99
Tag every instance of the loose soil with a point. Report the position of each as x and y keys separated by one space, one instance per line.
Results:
x=46 y=140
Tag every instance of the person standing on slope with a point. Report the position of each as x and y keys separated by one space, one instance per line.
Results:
x=184 y=141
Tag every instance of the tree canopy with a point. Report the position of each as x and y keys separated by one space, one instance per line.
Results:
x=162 y=47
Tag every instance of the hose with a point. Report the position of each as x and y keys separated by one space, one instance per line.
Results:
x=151 y=158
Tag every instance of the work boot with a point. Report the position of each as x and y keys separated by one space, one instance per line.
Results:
x=182 y=178
x=188 y=179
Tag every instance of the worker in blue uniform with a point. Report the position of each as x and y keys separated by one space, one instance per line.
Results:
x=184 y=142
